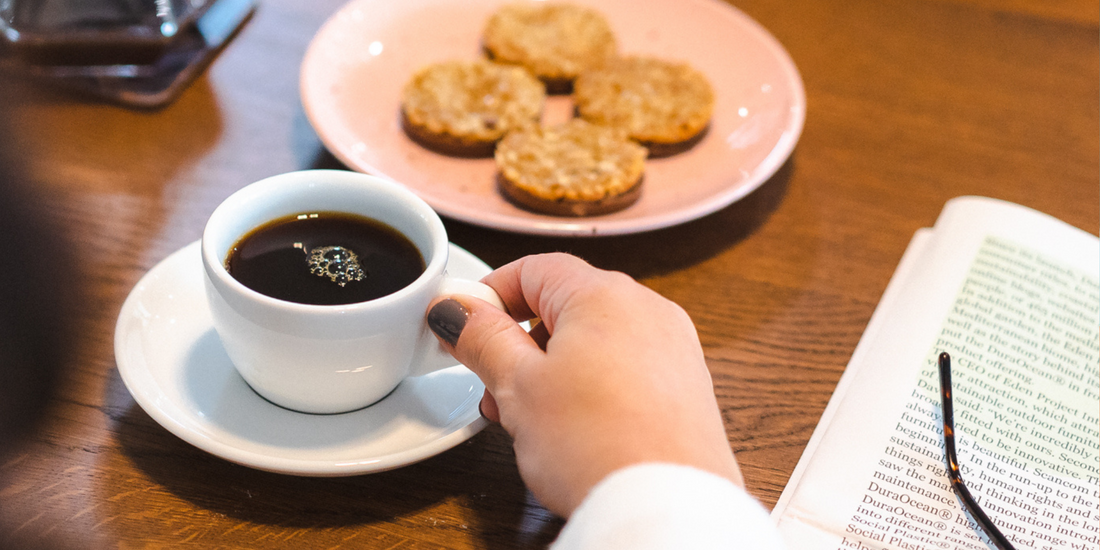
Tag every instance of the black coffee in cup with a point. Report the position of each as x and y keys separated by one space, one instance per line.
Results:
x=325 y=258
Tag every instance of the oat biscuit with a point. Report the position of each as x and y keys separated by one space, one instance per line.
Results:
x=555 y=41
x=574 y=169
x=463 y=108
x=665 y=106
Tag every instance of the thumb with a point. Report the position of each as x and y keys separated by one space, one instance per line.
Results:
x=485 y=339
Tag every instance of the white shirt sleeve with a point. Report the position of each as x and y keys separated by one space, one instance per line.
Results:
x=664 y=506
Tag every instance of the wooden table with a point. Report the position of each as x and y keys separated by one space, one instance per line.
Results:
x=910 y=103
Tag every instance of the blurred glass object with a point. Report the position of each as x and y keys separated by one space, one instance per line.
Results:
x=136 y=52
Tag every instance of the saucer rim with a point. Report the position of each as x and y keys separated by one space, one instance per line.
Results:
x=131 y=373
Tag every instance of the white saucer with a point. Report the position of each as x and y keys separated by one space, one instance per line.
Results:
x=172 y=362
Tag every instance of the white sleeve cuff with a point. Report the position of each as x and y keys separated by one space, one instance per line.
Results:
x=662 y=506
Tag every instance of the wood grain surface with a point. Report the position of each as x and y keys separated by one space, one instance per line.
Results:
x=910 y=103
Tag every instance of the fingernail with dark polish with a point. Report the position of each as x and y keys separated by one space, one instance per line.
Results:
x=447 y=319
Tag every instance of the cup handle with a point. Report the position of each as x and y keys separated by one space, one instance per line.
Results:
x=432 y=356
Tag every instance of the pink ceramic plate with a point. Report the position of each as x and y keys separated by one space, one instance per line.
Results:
x=354 y=70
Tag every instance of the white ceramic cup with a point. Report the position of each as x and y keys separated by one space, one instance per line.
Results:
x=322 y=358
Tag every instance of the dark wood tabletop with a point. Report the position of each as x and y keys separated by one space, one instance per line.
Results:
x=909 y=103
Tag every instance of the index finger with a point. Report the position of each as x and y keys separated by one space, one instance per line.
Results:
x=539 y=286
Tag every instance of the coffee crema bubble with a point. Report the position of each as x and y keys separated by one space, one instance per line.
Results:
x=337 y=263
x=325 y=258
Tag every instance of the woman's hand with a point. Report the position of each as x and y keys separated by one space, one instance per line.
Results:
x=612 y=375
